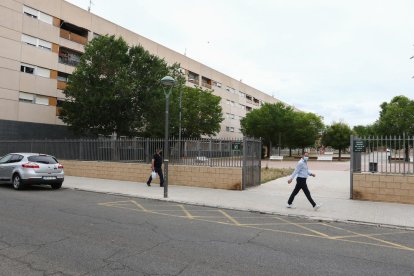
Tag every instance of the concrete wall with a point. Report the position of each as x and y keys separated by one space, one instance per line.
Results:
x=196 y=176
x=384 y=187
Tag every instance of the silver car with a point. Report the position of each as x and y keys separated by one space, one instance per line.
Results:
x=22 y=169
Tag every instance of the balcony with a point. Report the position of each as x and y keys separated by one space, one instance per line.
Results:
x=205 y=84
x=61 y=85
x=69 y=57
x=73 y=37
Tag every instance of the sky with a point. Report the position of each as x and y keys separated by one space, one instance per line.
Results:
x=340 y=59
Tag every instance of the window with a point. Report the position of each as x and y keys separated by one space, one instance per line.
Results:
x=228 y=102
x=32 y=98
x=231 y=129
x=33 y=41
x=193 y=77
x=216 y=83
x=5 y=159
x=26 y=97
x=30 y=12
x=42 y=72
x=31 y=69
x=44 y=159
x=38 y=15
x=25 y=68
x=227 y=129
x=29 y=40
x=16 y=158
x=67 y=56
x=43 y=100
x=62 y=77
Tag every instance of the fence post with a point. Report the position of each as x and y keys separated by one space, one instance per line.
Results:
x=146 y=152
x=210 y=148
x=351 y=169
x=244 y=165
x=80 y=149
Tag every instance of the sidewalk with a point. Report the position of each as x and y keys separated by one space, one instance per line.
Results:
x=328 y=187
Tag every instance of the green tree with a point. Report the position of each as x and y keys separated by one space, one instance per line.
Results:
x=116 y=88
x=306 y=130
x=397 y=118
x=365 y=131
x=337 y=136
x=201 y=112
x=269 y=122
x=99 y=90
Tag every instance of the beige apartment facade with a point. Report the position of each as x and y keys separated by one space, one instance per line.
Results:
x=42 y=42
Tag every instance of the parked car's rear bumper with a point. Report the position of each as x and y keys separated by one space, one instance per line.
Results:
x=41 y=180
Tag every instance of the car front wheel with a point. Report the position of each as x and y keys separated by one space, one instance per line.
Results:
x=17 y=182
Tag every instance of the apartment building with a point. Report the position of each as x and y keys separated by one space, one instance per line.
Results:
x=42 y=42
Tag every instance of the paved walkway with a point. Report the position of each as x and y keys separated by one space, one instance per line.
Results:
x=329 y=187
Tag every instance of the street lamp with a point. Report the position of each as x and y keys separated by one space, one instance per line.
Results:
x=168 y=83
x=179 y=127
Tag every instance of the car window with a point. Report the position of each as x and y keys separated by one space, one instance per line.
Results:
x=5 y=159
x=44 y=159
x=15 y=158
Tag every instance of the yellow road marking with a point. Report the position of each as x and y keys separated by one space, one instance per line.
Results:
x=374 y=234
x=186 y=212
x=373 y=238
x=304 y=227
x=237 y=224
x=230 y=217
x=139 y=205
x=113 y=202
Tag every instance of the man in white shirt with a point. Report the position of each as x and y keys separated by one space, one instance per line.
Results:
x=302 y=172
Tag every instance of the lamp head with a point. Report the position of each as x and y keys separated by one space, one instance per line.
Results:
x=168 y=81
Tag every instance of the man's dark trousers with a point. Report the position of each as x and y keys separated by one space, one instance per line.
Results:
x=159 y=172
x=301 y=184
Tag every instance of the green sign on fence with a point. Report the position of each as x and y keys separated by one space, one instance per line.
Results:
x=359 y=146
x=236 y=146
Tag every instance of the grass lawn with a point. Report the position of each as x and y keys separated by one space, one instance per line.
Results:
x=268 y=174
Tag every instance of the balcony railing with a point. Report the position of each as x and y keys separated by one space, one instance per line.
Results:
x=61 y=85
x=68 y=61
x=73 y=37
x=205 y=84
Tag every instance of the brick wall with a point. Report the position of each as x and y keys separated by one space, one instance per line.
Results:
x=381 y=187
x=196 y=176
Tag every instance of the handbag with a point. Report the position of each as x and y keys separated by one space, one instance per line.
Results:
x=153 y=174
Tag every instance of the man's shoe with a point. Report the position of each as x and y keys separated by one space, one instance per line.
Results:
x=148 y=184
x=290 y=206
x=317 y=206
x=161 y=185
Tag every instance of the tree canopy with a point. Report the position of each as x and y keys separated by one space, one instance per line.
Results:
x=274 y=121
x=397 y=117
x=116 y=88
x=337 y=136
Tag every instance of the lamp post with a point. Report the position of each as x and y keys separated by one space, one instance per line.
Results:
x=168 y=83
x=179 y=126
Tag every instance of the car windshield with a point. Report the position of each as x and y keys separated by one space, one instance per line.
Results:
x=44 y=159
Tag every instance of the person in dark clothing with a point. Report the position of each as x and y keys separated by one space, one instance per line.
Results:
x=156 y=166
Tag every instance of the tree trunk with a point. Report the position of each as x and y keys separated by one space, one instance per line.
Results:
x=290 y=152
x=340 y=150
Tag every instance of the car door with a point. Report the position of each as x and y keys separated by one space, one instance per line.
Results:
x=9 y=167
x=3 y=165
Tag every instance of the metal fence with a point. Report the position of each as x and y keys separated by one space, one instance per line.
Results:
x=201 y=152
x=251 y=163
x=385 y=154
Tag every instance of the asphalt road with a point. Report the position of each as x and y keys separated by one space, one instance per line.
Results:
x=67 y=232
